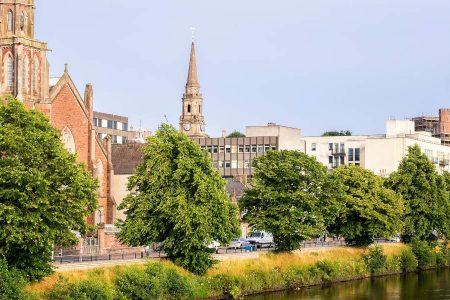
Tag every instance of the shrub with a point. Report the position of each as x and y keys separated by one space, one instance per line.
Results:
x=88 y=289
x=375 y=260
x=228 y=286
x=11 y=283
x=443 y=255
x=408 y=261
x=154 y=282
x=424 y=253
x=329 y=270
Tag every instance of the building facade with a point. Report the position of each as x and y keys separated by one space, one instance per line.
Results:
x=438 y=126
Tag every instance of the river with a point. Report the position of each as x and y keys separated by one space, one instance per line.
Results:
x=433 y=285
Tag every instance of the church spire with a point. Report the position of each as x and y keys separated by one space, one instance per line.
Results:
x=192 y=75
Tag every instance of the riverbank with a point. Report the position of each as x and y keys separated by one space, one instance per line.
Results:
x=235 y=278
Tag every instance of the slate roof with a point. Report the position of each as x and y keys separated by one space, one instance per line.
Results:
x=126 y=158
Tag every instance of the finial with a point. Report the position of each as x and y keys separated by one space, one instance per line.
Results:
x=66 y=68
x=193 y=33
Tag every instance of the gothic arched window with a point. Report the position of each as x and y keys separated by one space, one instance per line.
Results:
x=9 y=71
x=25 y=73
x=68 y=140
x=22 y=21
x=34 y=75
x=189 y=108
x=10 y=21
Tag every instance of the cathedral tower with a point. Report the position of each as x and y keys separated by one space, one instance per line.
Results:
x=23 y=60
x=192 y=121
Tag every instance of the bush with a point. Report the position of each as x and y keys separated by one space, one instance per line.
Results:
x=443 y=256
x=88 y=289
x=226 y=285
x=375 y=260
x=154 y=282
x=329 y=270
x=11 y=283
x=408 y=261
x=426 y=258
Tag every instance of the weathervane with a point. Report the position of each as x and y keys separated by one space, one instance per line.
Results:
x=193 y=33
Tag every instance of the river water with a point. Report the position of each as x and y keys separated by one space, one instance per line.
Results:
x=433 y=285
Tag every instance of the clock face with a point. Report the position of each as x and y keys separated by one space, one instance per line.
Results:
x=187 y=126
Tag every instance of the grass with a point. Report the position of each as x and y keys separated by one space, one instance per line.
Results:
x=243 y=276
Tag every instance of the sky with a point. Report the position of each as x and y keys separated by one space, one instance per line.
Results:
x=316 y=65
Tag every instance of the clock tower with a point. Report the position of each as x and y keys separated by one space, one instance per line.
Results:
x=192 y=121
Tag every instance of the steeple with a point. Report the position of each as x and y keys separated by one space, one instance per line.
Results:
x=192 y=75
x=192 y=121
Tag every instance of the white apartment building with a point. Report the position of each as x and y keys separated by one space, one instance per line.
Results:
x=379 y=153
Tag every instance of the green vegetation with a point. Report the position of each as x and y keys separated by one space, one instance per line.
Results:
x=11 y=283
x=292 y=196
x=427 y=202
x=236 y=134
x=231 y=279
x=370 y=209
x=44 y=193
x=337 y=133
x=180 y=202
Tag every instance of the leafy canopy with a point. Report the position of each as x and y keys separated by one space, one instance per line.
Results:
x=44 y=192
x=181 y=202
x=292 y=196
x=425 y=194
x=370 y=209
x=236 y=134
x=337 y=133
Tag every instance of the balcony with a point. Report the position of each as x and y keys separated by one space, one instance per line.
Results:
x=444 y=162
x=339 y=152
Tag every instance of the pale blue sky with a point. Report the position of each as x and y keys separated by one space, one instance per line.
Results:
x=314 y=64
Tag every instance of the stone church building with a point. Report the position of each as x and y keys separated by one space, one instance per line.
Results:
x=24 y=73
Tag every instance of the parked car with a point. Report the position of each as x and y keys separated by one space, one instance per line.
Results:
x=395 y=239
x=260 y=238
x=238 y=243
x=215 y=245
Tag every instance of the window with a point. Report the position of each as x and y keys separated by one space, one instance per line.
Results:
x=25 y=73
x=189 y=108
x=209 y=148
x=227 y=164
x=22 y=21
x=342 y=150
x=330 y=159
x=9 y=71
x=273 y=147
x=266 y=148
x=200 y=109
x=313 y=147
x=34 y=75
x=221 y=149
x=228 y=148
x=112 y=124
x=357 y=154
x=125 y=126
x=95 y=121
x=241 y=148
x=99 y=123
x=260 y=148
x=254 y=148
x=220 y=163
x=114 y=139
x=342 y=160
x=246 y=164
x=124 y=139
x=215 y=149
x=350 y=154
x=247 y=148
x=330 y=146
x=10 y=21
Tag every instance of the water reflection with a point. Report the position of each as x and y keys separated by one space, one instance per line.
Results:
x=424 y=286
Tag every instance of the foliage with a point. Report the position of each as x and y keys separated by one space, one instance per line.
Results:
x=408 y=261
x=11 y=283
x=425 y=195
x=88 y=289
x=181 y=202
x=44 y=192
x=154 y=282
x=370 y=209
x=236 y=134
x=292 y=196
x=337 y=133
x=426 y=257
x=226 y=285
x=375 y=260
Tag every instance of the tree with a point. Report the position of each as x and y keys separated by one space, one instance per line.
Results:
x=337 y=133
x=180 y=202
x=236 y=134
x=292 y=196
x=370 y=209
x=425 y=194
x=45 y=194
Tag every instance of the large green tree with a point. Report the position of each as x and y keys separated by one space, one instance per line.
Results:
x=370 y=209
x=180 y=201
x=45 y=194
x=425 y=194
x=292 y=196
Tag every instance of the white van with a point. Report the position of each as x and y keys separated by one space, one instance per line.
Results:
x=260 y=238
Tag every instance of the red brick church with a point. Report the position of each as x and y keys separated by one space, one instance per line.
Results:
x=24 y=71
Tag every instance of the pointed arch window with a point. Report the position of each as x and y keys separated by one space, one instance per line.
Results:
x=9 y=71
x=189 y=108
x=25 y=73
x=10 y=21
x=68 y=140
x=34 y=75
x=22 y=21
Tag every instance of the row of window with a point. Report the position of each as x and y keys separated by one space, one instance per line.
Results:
x=114 y=138
x=336 y=147
x=110 y=124
x=25 y=72
x=232 y=164
x=240 y=148
x=354 y=154
x=23 y=21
